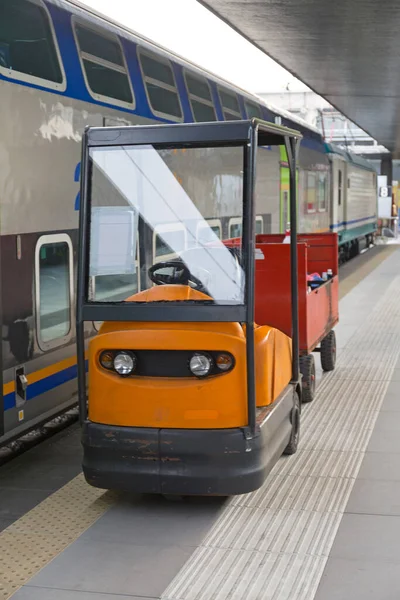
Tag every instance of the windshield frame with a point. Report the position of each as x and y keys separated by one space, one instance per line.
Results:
x=250 y=134
x=246 y=134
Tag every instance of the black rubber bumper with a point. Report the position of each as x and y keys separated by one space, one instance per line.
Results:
x=184 y=461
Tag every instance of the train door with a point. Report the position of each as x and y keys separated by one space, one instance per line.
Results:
x=2 y=407
x=284 y=198
x=338 y=195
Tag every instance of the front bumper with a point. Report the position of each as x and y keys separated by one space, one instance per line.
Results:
x=186 y=461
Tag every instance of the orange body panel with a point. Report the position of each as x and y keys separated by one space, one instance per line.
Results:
x=168 y=292
x=184 y=402
x=214 y=402
x=282 y=364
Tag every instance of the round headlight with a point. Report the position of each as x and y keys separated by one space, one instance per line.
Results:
x=224 y=362
x=200 y=364
x=124 y=363
x=107 y=359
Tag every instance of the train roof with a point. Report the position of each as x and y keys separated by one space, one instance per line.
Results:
x=78 y=8
x=349 y=156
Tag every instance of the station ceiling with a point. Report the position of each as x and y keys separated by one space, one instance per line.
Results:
x=348 y=51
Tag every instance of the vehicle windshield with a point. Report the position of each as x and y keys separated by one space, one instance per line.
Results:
x=166 y=216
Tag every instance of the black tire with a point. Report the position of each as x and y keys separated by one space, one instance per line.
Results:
x=355 y=249
x=307 y=369
x=293 y=444
x=328 y=352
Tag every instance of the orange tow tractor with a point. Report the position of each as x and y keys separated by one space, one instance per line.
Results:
x=185 y=394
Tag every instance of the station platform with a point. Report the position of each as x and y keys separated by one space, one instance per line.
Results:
x=325 y=525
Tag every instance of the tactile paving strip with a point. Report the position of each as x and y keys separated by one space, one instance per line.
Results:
x=273 y=544
x=36 y=538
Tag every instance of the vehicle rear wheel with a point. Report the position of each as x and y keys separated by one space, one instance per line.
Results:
x=307 y=369
x=328 y=352
x=292 y=446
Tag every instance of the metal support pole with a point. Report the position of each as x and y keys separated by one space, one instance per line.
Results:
x=387 y=168
x=248 y=244
x=291 y=149
x=82 y=282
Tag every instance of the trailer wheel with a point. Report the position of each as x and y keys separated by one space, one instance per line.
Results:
x=328 y=352
x=292 y=446
x=307 y=369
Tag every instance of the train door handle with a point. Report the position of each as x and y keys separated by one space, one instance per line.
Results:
x=21 y=386
x=23 y=382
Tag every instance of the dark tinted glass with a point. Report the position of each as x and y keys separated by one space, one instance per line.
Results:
x=164 y=101
x=107 y=82
x=100 y=46
x=229 y=101
x=26 y=41
x=231 y=117
x=202 y=112
x=198 y=87
x=252 y=110
x=157 y=70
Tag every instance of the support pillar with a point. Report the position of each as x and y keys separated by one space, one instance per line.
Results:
x=387 y=168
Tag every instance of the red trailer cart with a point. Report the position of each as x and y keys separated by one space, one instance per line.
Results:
x=318 y=308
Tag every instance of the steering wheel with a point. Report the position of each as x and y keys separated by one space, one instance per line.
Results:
x=180 y=275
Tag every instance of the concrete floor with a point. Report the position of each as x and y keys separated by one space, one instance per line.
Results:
x=325 y=525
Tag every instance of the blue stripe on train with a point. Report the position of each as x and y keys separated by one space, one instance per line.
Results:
x=336 y=225
x=44 y=385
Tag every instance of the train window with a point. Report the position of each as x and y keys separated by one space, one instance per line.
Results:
x=168 y=241
x=104 y=66
x=235 y=227
x=117 y=287
x=230 y=105
x=204 y=235
x=311 y=192
x=54 y=289
x=285 y=209
x=322 y=191
x=200 y=98
x=28 y=49
x=160 y=86
x=252 y=110
x=340 y=187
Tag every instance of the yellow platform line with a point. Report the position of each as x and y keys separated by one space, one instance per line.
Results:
x=43 y=533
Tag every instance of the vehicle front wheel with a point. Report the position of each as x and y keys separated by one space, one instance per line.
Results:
x=293 y=444
x=328 y=352
x=307 y=369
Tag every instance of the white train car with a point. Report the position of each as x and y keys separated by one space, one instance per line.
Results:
x=354 y=210
x=62 y=68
